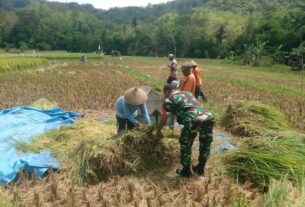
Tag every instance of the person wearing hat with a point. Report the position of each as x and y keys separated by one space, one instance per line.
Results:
x=134 y=99
x=198 y=89
x=173 y=69
x=195 y=118
x=189 y=82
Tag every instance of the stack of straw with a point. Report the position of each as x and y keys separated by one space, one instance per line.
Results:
x=253 y=119
x=89 y=150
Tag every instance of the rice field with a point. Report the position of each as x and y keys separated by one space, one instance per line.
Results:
x=225 y=84
x=8 y=64
x=92 y=88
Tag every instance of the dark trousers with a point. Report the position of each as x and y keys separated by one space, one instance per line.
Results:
x=124 y=124
x=199 y=92
x=170 y=79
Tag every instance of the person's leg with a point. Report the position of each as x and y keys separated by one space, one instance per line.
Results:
x=205 y=140
x=201 y=93
x=121 y=124
x=130 y=125
x=197 y=91
x=186 y=141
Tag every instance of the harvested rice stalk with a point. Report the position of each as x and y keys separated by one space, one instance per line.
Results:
x=253 y=119
x=258 y=160
x=89 y=151
x=44 y=104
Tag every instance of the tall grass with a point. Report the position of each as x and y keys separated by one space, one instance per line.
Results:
x=262 y=159
x=282 y=193
x=16 y=63
x=70 y=56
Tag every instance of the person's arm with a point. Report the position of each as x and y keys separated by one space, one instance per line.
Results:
x=182 y=85
x=162 y=123
x=129 y=114
x=144 y=112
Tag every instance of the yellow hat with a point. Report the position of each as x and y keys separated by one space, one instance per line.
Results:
x=135 y=96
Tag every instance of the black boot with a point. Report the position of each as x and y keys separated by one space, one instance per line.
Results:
x=199 y=169
x=185 y=171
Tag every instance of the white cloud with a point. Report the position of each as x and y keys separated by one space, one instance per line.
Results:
x=106 y=4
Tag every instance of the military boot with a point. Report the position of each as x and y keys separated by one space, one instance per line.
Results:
x=199 y=169
x=185 y=171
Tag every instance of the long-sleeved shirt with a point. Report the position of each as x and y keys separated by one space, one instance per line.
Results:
x=196 y=72
x=127 y=111
x=189 y=84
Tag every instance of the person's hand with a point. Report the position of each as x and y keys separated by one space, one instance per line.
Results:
x=160 y=135
x=140 y=126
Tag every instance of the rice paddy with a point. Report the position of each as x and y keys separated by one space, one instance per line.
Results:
x=98 y=168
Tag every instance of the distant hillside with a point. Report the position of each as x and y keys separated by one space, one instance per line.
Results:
x=197 y=28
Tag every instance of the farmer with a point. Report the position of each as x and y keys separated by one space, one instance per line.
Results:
x=189 y=82
x=195 y=118
x=173 y=69
x=126 y=107
x=198 y=89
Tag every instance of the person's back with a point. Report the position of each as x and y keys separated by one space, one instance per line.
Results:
x=186 y=107
x=189 y=84
x=197 y=75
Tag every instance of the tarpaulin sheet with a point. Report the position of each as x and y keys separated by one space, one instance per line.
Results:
x=21 y=124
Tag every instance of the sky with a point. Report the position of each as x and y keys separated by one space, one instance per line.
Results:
x=106 y=4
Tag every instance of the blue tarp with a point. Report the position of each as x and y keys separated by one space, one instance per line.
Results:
x=21 y=124
x=224 y=144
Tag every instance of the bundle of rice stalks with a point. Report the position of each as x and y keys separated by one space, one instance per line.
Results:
x=89 y=151
x=259 y=160
x=253 y=119
x=44 y=104
x=146 y=152
x=283 y=193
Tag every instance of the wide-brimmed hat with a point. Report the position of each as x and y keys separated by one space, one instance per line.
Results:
x=135 y=96
x=193 y=63
x=170 y=56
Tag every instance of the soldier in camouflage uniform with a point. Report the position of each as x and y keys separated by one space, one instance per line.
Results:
x=195 y=118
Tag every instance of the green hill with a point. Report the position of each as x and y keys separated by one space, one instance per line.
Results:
x=189 y=28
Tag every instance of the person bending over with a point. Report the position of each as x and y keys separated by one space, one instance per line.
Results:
x=134 y=99
x=195 y=118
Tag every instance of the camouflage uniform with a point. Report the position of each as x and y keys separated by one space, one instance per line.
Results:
x=195 y=118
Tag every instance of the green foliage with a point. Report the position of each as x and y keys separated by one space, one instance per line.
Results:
x=187 y=28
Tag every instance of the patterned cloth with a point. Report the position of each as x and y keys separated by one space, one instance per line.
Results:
x=195 y=118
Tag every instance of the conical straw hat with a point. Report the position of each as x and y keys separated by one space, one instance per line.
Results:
x=135 y=96
x=193 y=63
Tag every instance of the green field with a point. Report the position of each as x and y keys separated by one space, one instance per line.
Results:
x=92 y=88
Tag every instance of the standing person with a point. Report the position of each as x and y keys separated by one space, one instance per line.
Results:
x=198 y=89
x=195 y=118
x=189 y=82
x=126 y=107
x=173 y=69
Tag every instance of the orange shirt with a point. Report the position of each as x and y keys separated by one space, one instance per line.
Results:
x=196 y=72
x=189 y=84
